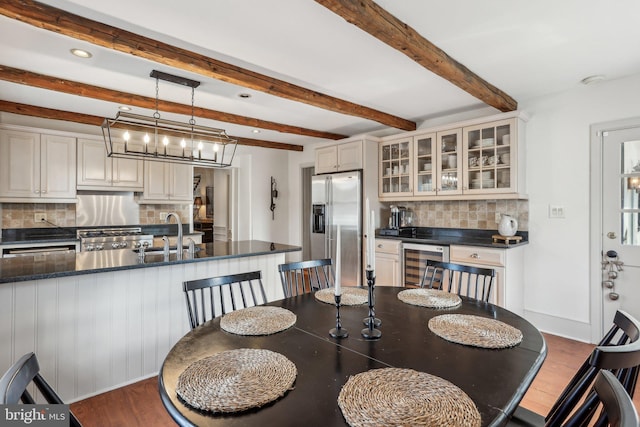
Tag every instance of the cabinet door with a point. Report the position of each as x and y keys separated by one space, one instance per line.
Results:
x=58 y=167
x=94 y=167
x=156 y=181
x=387 y=270
x=396 y=168
x=350 y=156
x=490 y=157
x=181 y=182
x=19 y=164
x=326 y=159
x=449 y=167
x=425 y=160
x=128 y=173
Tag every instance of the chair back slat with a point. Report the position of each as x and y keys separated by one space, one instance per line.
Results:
x=473 y=282
x=306 y=276
x=212 y=297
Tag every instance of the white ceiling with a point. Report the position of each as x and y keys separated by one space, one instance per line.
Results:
x=527 y=49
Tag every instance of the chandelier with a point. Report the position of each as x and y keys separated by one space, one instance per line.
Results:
x=133 y=136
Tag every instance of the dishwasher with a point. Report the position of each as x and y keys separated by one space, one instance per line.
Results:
x=415 y=256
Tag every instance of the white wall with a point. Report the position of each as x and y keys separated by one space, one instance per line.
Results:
x=557 y=288
x=256 y=166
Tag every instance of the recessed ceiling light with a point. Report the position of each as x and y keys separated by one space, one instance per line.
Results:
x=256 y=131
x=592 y=79
x=245 y=95
x=124 y=108
x=81 y=53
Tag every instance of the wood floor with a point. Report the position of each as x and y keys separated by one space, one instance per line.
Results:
x=139 y=404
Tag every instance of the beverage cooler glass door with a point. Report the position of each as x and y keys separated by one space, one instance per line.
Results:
x=415 y=258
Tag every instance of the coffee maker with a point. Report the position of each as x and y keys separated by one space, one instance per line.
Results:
x=400 y=217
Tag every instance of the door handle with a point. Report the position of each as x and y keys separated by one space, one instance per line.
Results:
x=612 y=235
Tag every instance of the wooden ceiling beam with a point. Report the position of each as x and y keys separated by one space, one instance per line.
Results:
x=16 y=75
x=78 y=27
x=87 y=119
x=371 y=18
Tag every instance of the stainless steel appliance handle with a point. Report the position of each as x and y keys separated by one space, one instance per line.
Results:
x=328 y=217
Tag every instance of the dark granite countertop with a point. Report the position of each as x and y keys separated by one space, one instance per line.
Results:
x=44 y=267
x=452 y=236
x=44 y=235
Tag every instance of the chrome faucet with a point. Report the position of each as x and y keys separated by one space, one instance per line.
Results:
x=179 y=248
x=192 y=247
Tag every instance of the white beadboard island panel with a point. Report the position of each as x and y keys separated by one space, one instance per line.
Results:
x=95 y=332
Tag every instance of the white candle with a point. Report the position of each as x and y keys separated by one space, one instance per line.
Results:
x=338 y=287
x=372 y=233
x=369 y=236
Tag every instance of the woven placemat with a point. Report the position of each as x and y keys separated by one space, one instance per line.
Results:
x=431 y=298
x=236 y=380
x=475 y=331
x=350 y=296
x=404 y=397
x=261 y=320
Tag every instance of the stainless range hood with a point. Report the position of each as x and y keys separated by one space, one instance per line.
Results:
x=104 y=208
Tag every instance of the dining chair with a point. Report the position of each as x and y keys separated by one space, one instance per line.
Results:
x=14 y=384
x=215 y=296
x=474 y=282
x=616 y=401
x=305 y=276
x=617 y=352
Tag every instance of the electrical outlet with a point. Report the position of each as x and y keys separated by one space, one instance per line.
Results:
x=163 y=216
x=556 y=211
x=39 y=217
x=498 y=217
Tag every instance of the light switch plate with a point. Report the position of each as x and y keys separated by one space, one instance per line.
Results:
x=39 y=217
x=556 y=211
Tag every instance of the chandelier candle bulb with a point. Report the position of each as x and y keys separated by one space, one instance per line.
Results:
x=338 y=287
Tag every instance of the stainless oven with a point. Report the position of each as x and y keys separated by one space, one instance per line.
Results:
x=414 y=259
x=38 y=250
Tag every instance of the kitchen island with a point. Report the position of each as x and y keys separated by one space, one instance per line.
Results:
x=100 y=320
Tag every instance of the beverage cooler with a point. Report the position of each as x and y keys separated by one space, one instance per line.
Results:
x=415 y=256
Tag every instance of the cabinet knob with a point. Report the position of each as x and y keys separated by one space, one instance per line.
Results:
x=43 y=191
x=475 y=255
x=380 y=246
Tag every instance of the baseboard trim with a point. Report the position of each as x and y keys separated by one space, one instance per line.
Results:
x=566 y=328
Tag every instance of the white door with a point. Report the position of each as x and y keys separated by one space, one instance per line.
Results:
x=620 y=223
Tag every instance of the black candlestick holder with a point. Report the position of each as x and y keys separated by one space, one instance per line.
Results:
x=338 y=331
x=370 y=332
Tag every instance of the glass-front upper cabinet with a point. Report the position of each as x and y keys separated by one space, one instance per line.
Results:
x=449 y=167
x=489 y=164
x=425 y=155
x=396 y=168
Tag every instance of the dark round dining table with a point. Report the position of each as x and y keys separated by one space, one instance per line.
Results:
x=495 y=379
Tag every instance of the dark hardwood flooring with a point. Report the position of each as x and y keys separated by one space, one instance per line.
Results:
x=139 y=404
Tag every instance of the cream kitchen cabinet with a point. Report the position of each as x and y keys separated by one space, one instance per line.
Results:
x=97 y=171
x=475 y=160
x=339 y=157
x=396 y=168
x=167 y=183
x=508 y=289
x=37 y=167
x=492 y=157
x=388 y=262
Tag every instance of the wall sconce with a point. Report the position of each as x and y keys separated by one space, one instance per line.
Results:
x=274 y=195
x=197 y=202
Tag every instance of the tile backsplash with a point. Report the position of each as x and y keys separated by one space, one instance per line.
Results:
x=22 y=215
x=474 y=214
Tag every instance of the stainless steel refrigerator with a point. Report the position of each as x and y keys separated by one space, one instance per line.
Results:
x=337 y=200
